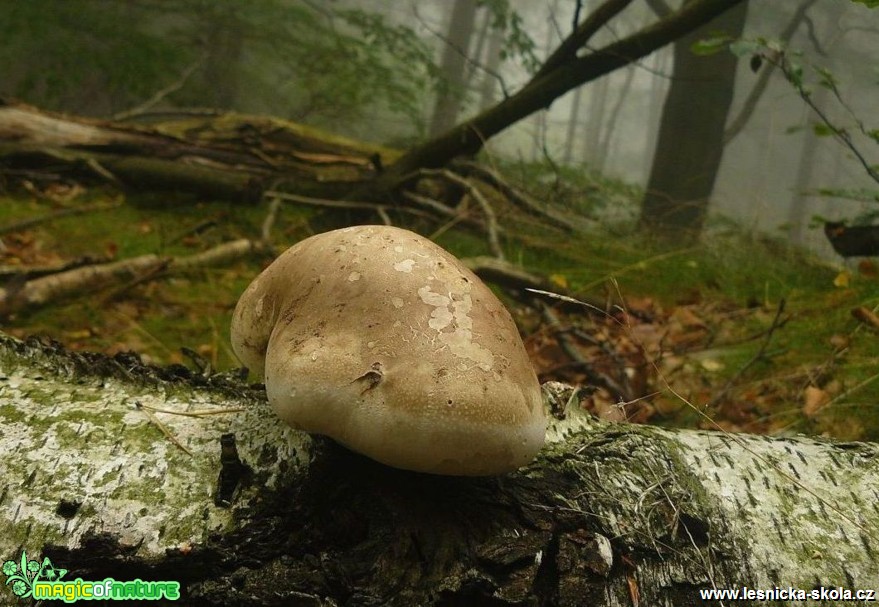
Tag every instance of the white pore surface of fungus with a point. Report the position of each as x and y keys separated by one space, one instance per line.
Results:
x=385 y=342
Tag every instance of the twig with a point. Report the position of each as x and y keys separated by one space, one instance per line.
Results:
x=570 y=348
x=568 y=49
x=29 y=272
x=741 y=119
x=197 y=413
x=218 y=255
x=156 y=422
x=338 y=204
x=24 y=224
x=776 y=323
x=430 y=203
x=269 y=222
x=41 y=291
x=145 y=276
x=164 y=92
x=194 y=230
x=386 y=219
x=491 y=225
x=841 y=134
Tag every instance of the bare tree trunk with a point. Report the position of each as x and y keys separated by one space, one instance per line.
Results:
x=658 y=91
x=607 y=515
x=797 y=212
x=610 y=126
x=690 y=144
x=454 y=62
x=573 y=126
x=594 y=121
x=492 y=63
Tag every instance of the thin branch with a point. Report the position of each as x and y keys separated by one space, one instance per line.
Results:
x=25 y=224
x=841 y=134
x=343 y=204
x=567 y=50
x=737 y=124
x=162 y=93
x=777 y=323
x=269 y=222
x=158 y=424
x=491 y=225
x=568 y=346
x=517 y=197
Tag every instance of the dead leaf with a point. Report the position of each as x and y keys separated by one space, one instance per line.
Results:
x=559 y=280
x=839 y=341
x=634 y=592
x=866 y=316
x=688 y=318
x=814 y=400
x=711 y=365
x=843 y=279
x=868 y=269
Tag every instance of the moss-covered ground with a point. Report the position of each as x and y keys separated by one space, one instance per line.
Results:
x=706 y=307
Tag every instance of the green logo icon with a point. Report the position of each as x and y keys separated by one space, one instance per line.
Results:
x=24 y=574
x=29 y=578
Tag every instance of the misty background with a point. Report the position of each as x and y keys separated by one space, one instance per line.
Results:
x=397 y=72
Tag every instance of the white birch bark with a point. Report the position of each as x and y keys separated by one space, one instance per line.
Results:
x=606 y=513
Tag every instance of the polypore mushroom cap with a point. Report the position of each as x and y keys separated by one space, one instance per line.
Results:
x=386 y=343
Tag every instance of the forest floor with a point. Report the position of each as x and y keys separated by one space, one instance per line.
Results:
x=739 y=332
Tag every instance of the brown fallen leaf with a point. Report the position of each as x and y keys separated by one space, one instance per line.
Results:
x=866 y=316
x=688 y=318
x=814 y=399
x=839 y=341
x=867 y=268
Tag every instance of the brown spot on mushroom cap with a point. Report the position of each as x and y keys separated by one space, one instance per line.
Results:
x=422 y=369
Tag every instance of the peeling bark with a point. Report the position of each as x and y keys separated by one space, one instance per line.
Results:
x=606 y=510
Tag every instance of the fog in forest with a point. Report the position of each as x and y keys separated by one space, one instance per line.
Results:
x=398 y=72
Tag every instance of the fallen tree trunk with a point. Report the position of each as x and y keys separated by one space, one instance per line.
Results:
x=98 y=478
x=226 y=157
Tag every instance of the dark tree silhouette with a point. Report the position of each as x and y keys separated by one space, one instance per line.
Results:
x=691 y=135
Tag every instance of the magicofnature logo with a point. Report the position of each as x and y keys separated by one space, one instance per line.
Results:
x=23 y=575
x=29 y=578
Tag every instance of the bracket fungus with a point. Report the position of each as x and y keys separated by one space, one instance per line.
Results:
x=386 y=343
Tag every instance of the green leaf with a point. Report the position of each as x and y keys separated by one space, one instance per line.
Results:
x=822 y=130
x=867 y=3
x=796 y=75
x=710 y=46
x=827 y=79
x=741 y=48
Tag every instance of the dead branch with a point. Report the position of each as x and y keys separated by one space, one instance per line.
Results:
x=563 y=336
x=219 y=255
x=269 y=222
x=163 y=92
x=430 y=203
x=515 y=196
x=29 y=272
x=24 y=224
x=41 y=291
x=776 y=323
x=341 y=204
x=491 y=225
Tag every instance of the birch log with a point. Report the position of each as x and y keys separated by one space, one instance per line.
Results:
x=609 y=514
